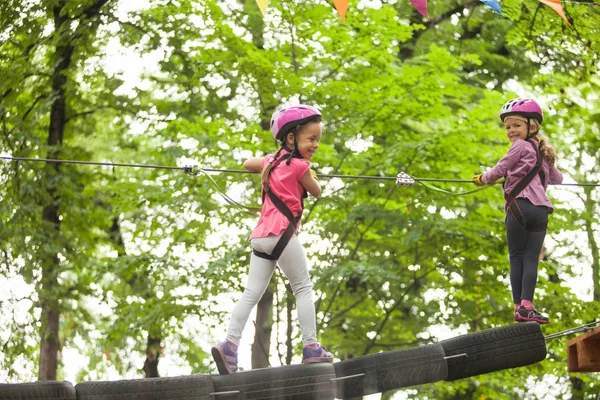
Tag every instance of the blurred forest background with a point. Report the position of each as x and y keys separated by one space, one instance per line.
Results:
x=130 y=266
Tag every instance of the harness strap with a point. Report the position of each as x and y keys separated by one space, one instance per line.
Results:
x=285 y=210
x=511 y=197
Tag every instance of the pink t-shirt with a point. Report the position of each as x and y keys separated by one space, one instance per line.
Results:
x=519 y=160
x=285 y=183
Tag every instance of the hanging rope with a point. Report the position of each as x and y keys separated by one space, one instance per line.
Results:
x=246 y=209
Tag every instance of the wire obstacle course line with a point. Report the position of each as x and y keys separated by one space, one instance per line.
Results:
x=401 y=179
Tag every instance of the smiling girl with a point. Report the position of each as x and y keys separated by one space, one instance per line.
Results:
x=529 y=166
x=286 y=181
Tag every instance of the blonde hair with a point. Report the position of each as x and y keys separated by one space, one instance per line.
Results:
x=548 y=150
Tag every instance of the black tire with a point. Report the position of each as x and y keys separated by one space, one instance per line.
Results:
x=390 y=370
x=182 y=387
x=494 y=349
x=292 y=382
x=38 y=390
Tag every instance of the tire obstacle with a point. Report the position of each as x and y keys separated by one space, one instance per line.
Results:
x=494 y=350
x=195 y=386
x=461 y=357
x=376 y=373
x=43 y=390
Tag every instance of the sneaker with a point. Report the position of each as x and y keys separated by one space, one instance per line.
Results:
x=316 y=354
x=225 y=357
x=523 y=315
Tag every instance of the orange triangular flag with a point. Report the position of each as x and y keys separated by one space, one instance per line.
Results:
x=341 y=6
x=262 y=4
x=556 y=6
x=421 y=5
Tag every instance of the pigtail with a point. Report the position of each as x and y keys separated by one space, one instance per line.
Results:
x=548 y=150
x=266 y=172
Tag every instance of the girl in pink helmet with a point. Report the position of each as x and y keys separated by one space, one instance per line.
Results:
x=528 y=167
x=286 y=180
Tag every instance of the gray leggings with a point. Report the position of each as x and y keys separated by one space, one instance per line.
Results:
x=524 y=248
x=293 y=263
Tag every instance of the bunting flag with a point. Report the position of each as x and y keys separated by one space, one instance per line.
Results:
x=556 y=6
x=494 y=5
x=262 y=4
x=421 y=5
x=341 y=6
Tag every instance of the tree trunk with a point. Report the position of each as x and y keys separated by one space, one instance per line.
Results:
x=289 y=305
x=589 y=229
x=153 y=345
x=50 y=263
x=49 y=343
x=264 y=326
x=153 y=351
x=577 y=386
x=50 y=316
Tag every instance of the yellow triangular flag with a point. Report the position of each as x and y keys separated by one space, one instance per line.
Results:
x=556 y=6
x=262 y=4
x=341 y=6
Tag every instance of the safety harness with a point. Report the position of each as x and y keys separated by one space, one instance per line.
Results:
x=285 y=210
x=511 y=204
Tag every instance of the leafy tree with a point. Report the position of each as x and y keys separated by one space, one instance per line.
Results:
x=394 y=267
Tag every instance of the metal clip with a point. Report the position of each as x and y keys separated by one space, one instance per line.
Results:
x=191 y=169
x=403 y=179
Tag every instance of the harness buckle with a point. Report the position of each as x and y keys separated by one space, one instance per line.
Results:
x=404 y=180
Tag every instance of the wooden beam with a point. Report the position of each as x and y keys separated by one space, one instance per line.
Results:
x=583 y=352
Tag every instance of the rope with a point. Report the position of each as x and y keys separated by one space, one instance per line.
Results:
x=437 y=189
x=192 y=169
x=248 y=210
x=583 y=3
x=580 y=328
x=187 y=169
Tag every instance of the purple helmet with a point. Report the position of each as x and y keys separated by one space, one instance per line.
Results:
x=528 y=108
x=286 y=119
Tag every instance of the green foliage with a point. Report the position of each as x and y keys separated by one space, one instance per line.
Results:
x=148 y=252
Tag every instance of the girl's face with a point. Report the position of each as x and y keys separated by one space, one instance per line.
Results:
x=516 y=128
x=307 y=139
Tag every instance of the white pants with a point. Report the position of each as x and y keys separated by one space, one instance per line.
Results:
x=293 y=263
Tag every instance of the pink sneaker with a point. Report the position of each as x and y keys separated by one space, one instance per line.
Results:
x=524 y=315
x=316 y=354
x=225 y=356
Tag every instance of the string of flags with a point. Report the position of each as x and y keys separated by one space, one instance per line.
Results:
x=341 y=7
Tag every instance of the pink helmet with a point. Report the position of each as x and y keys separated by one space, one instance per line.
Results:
x=528 y=108
x=286 y=119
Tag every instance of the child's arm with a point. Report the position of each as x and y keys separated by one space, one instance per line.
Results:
x=311 y=184
x=254 y=164
x=555 y=176
x=506 y=163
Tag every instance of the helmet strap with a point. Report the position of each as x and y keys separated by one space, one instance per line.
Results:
x=529 y=134
x=292 y=154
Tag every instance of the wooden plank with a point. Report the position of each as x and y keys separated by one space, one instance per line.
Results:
x=583 y=352
x=591 y=333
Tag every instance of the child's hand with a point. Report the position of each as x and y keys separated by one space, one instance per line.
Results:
x=314 y=174
x=477 y=180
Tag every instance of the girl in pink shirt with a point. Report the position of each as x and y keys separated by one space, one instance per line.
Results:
x=528 y=167
x=286 y=180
